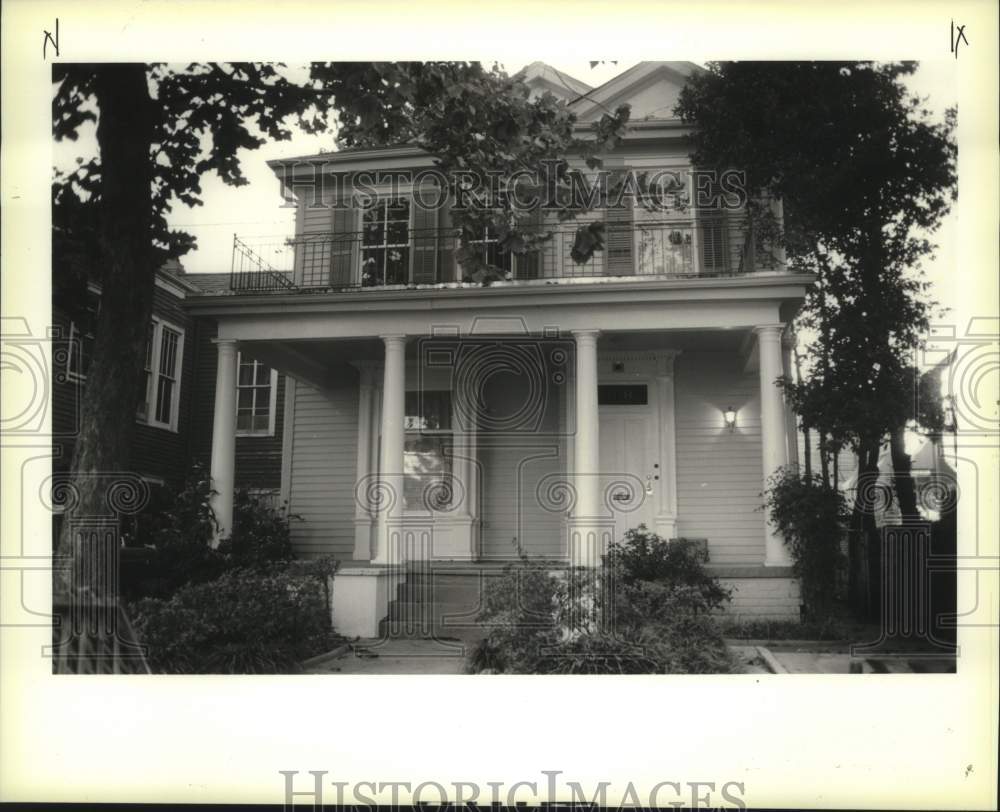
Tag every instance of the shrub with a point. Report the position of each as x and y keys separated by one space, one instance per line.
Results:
x=808 y=514
x=180 y=526
x=635 y=614
x=243 y=622
x=261 y=534
x=645 y=556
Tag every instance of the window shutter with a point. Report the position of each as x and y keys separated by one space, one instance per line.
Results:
x=529 y=264
x=446 y=243
x=620 y=231
x=714 y=242
x=342 y=243
x=425 y=241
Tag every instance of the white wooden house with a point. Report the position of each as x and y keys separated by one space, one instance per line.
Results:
x=444 y=425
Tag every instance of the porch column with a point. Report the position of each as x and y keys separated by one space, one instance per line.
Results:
x=363 y=508
x=586 y=533
x=773 y=435
x=223 y=467
x=791 y=420
x=390 y=508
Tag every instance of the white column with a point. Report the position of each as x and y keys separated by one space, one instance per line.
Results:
x=224 y=438
x=587 y=534
x=363 y=509
x=390 y=511
x=772 y=429
x=791 y=420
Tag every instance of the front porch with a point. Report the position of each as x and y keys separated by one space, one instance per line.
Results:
x=419 y=431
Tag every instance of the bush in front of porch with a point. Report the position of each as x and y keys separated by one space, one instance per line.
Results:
x=245 y=607
x=646 y=609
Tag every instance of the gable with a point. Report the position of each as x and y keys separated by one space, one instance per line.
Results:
x=651 y=88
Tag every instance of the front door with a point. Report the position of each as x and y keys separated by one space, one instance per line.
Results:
x=629 y=460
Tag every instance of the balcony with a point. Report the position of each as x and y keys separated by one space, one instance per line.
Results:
x=719 y=246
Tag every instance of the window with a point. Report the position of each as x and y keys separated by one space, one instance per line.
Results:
x=622 y=394
x=256 y=391
x=385 y=243
x=427 y=455
x=160 y=399
x=81 y=336
x=488 y=248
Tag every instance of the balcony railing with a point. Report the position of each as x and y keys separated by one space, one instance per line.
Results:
x=714 y=247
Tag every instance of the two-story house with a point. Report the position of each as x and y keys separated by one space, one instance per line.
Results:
x=434 y=423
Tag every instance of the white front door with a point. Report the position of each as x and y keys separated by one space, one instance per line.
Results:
x=630 y=467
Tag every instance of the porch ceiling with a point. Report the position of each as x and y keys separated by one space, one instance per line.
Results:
x=314 y=361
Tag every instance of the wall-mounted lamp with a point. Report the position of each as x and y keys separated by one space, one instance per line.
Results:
x=730 y=417
x=948 y=407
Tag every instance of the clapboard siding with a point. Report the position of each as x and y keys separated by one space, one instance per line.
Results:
x=258 y=459
x=322 y=468
x=718 y=471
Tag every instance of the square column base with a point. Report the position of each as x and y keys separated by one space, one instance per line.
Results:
x=361 y=597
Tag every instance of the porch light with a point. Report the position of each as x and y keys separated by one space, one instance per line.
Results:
x=730 y=417
x=948 y=404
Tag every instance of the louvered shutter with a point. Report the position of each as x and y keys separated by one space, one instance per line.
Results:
x=446 y=243
x=424 y=240
x=714 y=242
x=343 y=246
x=619 y=236
x=529 y=264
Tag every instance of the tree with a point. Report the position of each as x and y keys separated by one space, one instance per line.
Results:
x=161 y=127
x=865 y=176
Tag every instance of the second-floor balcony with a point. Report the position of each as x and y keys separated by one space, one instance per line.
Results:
x=402 y=257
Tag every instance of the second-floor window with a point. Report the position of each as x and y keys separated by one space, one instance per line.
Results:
x=160 y=399
x=256 y=391
x=487 y=246
x=385 y=243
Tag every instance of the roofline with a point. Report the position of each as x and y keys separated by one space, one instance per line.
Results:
x=681 y=289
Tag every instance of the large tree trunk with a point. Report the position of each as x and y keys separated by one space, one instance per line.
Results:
x=902 y=467
x=108 y=410
x=864 y=555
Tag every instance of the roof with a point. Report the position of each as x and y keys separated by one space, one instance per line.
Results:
x=211 y=283
x=538 y=74
x=585 y=100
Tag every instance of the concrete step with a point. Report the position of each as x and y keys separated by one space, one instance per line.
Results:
x=448 y=592
x=460 y=612
x=399 y=629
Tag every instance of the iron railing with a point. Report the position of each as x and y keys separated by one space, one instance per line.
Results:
x=718 y=246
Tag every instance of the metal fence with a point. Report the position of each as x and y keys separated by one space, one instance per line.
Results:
x=713 y=246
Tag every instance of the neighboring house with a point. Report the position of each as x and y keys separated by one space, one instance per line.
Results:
x=174 y=410
x=432 y=422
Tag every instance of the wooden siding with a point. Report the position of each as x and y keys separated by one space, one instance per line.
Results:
x=718 y=471
x=322 y=468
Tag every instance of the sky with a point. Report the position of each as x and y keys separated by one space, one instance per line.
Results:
x=255 y=211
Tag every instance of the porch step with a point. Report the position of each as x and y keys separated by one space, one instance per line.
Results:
x=432 y=603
